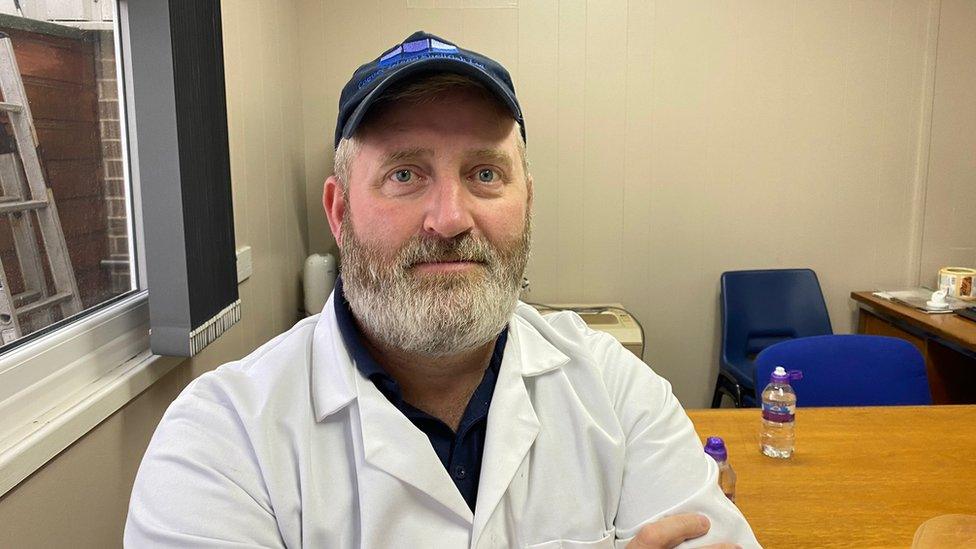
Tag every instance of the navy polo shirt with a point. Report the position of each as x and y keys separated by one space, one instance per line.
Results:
x=459 y=452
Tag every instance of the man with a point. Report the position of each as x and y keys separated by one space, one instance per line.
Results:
x=426 y=406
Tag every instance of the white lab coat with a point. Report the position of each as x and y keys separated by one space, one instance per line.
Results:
x=292 y=447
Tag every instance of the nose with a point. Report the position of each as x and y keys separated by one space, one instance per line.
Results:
x=449 y=210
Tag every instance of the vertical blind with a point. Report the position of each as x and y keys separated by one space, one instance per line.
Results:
x=188 y=220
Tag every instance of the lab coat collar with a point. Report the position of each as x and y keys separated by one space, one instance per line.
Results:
x=530 y=333
x=333 y=373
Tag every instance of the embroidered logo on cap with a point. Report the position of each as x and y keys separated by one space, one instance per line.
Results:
x=415 y=50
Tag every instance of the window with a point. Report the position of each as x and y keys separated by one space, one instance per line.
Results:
x=66 y=73
x=142 y=121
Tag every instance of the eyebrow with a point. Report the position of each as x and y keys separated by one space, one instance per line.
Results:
x=406 y=154
x=494 y=155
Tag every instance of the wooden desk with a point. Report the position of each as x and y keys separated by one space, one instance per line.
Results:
x=860 y=477
x=947 y=341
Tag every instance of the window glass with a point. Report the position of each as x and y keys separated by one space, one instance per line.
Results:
x=63 y=258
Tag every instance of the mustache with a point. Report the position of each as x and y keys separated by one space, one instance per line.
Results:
x=464 y=247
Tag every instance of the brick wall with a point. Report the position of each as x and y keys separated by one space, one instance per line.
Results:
x=113 y=177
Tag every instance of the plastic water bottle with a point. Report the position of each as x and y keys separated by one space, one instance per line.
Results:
x=777 y=438
x=715 y=447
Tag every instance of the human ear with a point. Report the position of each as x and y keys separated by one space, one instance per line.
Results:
x=334 y=203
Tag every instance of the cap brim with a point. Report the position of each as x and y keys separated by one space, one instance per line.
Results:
x=436 y=64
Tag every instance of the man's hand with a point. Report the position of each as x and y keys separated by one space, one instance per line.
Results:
x=671 y=531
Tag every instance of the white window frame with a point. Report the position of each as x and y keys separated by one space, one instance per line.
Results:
x=59 y=386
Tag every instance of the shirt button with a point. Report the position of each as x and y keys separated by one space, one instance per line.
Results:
x=460 y=472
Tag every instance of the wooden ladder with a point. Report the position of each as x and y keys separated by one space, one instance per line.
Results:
x=32 y=308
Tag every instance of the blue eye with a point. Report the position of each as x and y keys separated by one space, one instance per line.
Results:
x=403 y=176
x=487 y=175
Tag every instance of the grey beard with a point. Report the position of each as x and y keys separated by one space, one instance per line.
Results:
x=433 y=315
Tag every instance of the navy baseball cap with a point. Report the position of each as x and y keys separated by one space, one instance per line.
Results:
x=419 y=53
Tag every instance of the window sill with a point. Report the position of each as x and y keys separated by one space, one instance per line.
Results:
x=41 y=420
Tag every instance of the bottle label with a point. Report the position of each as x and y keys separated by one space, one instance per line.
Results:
x=779 y=413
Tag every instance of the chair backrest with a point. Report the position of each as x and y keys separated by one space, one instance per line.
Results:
x=760 y=308
x=849 y=370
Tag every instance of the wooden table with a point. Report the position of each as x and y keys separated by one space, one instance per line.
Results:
x=947 y=341
x=860 y=477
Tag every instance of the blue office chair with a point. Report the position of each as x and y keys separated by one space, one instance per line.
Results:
x=759 y=309
x=849 y=370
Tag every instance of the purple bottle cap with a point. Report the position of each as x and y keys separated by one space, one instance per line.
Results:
x=780 y=375
x=715 y=447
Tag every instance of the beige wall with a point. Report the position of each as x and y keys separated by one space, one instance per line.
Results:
x=79 y=499
x=949 y=234
x=673 y=140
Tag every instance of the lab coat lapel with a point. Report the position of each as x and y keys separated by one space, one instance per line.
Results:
x=393 y=444
x=512 y=422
